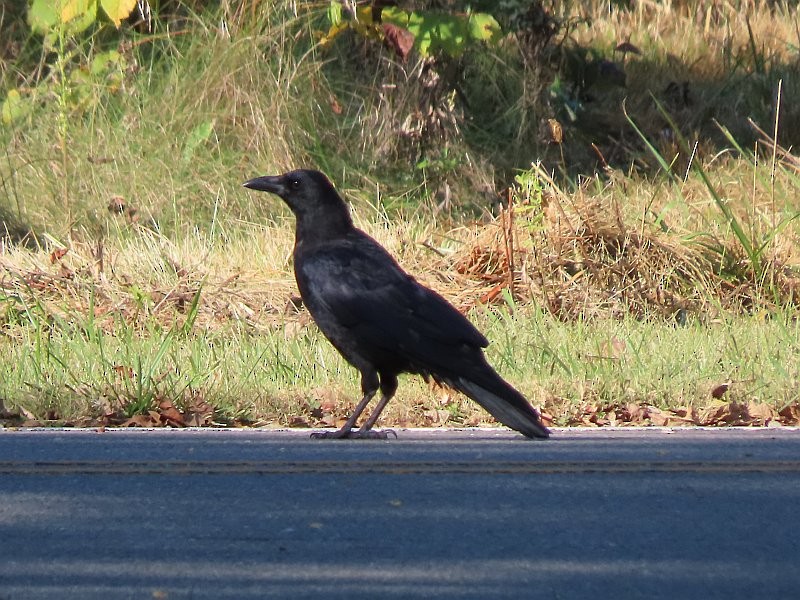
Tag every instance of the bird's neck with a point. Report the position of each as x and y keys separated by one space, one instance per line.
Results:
x=314 y=228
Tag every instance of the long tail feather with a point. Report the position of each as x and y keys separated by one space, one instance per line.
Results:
x=511 y=409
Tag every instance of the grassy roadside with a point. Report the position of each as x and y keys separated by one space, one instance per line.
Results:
x=104 y=369
x=138 y=281
x=221 y=341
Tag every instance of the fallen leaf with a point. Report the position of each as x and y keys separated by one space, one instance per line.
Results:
x=57 y=255
x=116 y=205
x=294 y=305
x=7 y=414
x=760 y=413
x=445 y=394
x=140 y=421
x=326 y=398
x=634 y=413
x=123 y=371
x=27 y=414
x=551 y=131
x=335 y=106
x=719 y=391
x=475 y=420
x=170 y=415
x=724 y=413
x=657 y=416
x=790 y=414
x=492 y=293
x=398 y=39
x=199 y=413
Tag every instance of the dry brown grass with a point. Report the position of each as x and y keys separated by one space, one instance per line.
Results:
x=147 y=279
x=577 y=256
x=584 y=255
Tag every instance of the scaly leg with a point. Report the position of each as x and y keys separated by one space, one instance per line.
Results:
x=369 y=385
x=388 y=388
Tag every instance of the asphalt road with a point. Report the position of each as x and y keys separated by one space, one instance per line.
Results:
x=481 y=514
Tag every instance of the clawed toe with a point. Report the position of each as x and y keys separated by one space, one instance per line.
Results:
x=373 y=435
x=353 y=435
x=329 y=435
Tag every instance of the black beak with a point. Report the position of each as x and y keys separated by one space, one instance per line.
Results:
x=268 y=183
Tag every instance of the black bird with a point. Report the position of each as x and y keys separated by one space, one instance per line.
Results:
x=378 y=317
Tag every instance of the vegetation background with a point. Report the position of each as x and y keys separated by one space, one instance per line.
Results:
x=607 y=188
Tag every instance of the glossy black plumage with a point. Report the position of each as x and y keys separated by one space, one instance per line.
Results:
x=378 y=317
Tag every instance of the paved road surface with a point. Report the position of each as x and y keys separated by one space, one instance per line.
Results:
x=481 y=514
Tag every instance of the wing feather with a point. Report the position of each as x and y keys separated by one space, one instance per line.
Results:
x=358 y=286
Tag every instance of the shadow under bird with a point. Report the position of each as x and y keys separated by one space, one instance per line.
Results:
x=378 y=317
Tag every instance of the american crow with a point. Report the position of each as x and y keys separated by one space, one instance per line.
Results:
x=378 y=317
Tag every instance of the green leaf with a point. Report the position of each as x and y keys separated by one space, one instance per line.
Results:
x=117 y=10
x=105 y=62
x=422 y=28
x=395 y=16
x=43 y=15
x=82 y=92
x=84 y=20
x=196 y=138
x=335 y=12
x=191 y=315
x=452 y=34
x=77 y=9
x=485 y=28
x=449 y=33
x=333 y=32
x=14 y=107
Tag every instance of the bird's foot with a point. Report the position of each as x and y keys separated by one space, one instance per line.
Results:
x=371 y=434
x=340 y=434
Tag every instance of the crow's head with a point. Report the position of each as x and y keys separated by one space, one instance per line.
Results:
x=306 y=192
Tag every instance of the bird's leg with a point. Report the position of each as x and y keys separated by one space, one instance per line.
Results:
x=388 y=388
x=346 y=429
x=365 y=432
x=369 y=385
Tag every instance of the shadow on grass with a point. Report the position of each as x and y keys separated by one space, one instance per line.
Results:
x=15 y=232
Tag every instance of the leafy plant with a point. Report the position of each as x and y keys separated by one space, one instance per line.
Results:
x=427 y=32
x=441 y=164
x=528 y=197
x=46 y=16
x=74 y=84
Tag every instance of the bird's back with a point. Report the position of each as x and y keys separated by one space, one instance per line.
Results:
x=372 y=310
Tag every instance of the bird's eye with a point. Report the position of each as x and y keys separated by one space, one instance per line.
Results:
x=294 y=184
